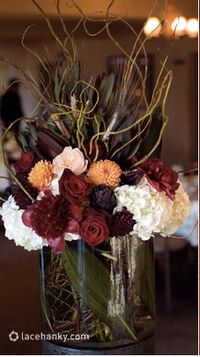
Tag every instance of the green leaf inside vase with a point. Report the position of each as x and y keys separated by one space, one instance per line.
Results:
x=91 y=280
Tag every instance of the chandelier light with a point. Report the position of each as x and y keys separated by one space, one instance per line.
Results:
x=179 y=25
x=192 y=27
x=152 y=27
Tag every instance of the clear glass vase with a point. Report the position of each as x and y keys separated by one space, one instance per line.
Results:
x=99 y=297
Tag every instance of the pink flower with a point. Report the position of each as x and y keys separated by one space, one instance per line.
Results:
x=72 y=159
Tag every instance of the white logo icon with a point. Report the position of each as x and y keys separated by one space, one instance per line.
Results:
x=13 y=336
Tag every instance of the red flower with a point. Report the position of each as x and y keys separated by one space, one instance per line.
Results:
x=48 y=217
x=103 y=197
x=73 y=187
x=132 y=177
x=122 y=223
x=76 y=212
x=21 y=198
x=161 y=176
x=94 y=227
x=75 y=216
x=26 y=162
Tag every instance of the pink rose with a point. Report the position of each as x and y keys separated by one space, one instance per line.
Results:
x=72 y=159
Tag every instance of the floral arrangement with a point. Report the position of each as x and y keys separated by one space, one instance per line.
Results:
x=75 y=200
x=90 y=189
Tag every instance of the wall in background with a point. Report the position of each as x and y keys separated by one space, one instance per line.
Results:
x=130 y=8
x=13 y=51
x=180 y=139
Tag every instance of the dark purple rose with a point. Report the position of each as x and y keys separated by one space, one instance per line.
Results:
x=132 y=177
x=103 y=197
x=122 y=223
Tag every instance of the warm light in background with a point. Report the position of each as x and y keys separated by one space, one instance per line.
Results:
x=179 y=25
x=152 y=27
x=192 y=27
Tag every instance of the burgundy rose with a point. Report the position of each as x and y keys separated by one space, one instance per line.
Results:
x=73 y=187
x=94 y=227
x=25 y=163
x=103 y=197
x=122 y=223
x=161 y=176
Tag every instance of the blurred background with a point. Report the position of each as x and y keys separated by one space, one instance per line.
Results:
x=176 y=258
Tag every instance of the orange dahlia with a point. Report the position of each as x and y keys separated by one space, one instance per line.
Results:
x=41 y=174
x=104 y=172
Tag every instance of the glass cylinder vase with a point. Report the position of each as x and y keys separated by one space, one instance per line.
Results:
x=99 y=300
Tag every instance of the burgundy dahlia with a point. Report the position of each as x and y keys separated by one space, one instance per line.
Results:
x=103 y=197
x=122 y=223
x=48 y=217
x=161 y=176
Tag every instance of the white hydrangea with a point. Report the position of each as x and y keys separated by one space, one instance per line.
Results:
x=54 y=187
x=181 y=209
x=151 y=209
x=71 y=236
x=15 y=228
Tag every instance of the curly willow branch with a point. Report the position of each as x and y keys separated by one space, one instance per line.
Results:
x=149 y=112
x=68 y=35
x=88 y=85
x=53 y=33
